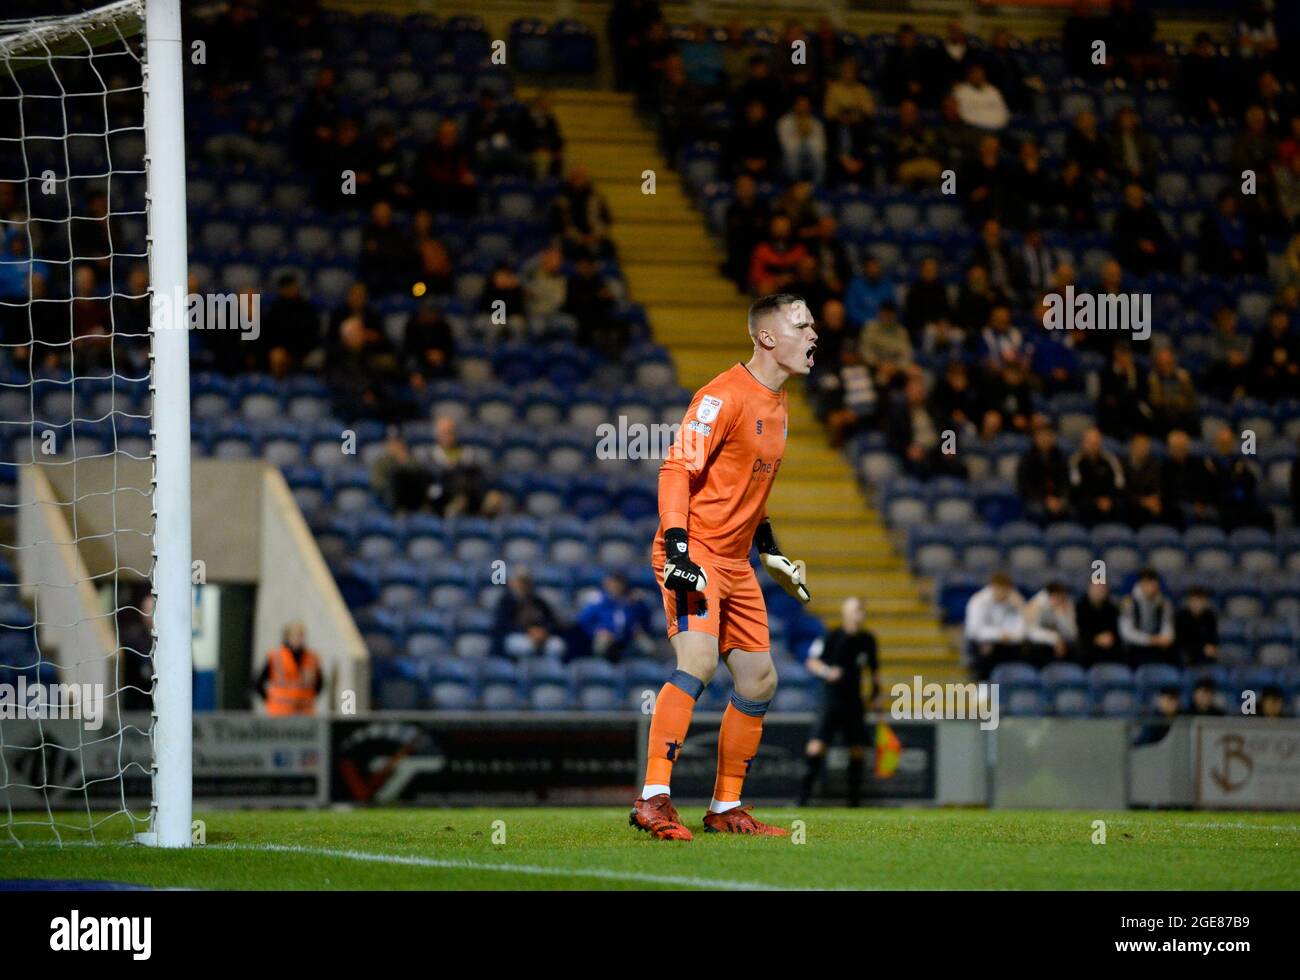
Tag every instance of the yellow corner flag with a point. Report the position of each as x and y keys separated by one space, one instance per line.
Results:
x=888 y=748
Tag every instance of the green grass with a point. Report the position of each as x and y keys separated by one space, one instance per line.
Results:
x=595 y=849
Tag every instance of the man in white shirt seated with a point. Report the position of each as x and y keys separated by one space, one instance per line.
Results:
x=995 y=626
x=1050 y=625
x=979 y=103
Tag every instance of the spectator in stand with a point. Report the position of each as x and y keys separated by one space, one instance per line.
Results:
x=615 y=623
x=1098 y=619
x=1272 y=703
x=748 y=219
x=803 y=142
x=444 y=181
x=428 y=346
x=434 y=273
x=1228 y=246
x=772 y=266
x=1200 y=81
x=1051 y=629
x=1139 y=238
x=954 y=55
x=1122 y=408
x=914 y=153
x=927 y=300
x=1131 y=32
x=1001 y=342
x=1205 y=699
x=830 y=254
x=386 y=253
x=957 y=406
x=460 y=476
x=886 y=347
x=386 y=170
x=867 y=293
x=1085 y=144
x=1229 y=351
x=995 y=626
x=846 y=91
x=1196 y=629
x=1166 y=708
x=291 y=330
x=761 y=85
x=582 y=217
x=986 y=182
x=847 y=397
x=1005 y=72
x=1171 y=395
x=1005 y=269
x=1185 y=483
x=914 y=433
x=1043 y=478
x=503 y=296
x=524 y=624
x=976 y=300
x=959 y=139
x=399 y=479
x=753 y=148
x=546 y=287
x=1143 y=484
x=1274 y=367
x=979 y=103
x=363 y=374
x=1134 y=153
x=681 y=102
x=540 y=139
x=590 y=301
x=1011 y=395
x=1035 y=190
x=1234 y=485
x=1074 y=207
x=1146 y=623
x=850 y=139
x=909 y=72
x=1255 y=147
x=1096 y=481
x=1080 y=32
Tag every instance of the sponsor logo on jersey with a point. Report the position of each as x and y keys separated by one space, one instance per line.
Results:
x=760 y=427
x=695 y=425
x=709 y=408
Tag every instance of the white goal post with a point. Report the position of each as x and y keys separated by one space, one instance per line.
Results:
x=45 y=47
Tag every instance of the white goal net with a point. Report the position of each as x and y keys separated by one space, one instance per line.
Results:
x=94 y=431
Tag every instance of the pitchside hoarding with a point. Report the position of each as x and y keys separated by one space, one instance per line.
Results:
x=238 y=759
x=1246 y=764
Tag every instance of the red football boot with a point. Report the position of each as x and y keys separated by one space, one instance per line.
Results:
x=656 y=816
x=737 y=820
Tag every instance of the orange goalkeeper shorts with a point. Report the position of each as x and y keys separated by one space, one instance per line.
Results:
x=731 y=607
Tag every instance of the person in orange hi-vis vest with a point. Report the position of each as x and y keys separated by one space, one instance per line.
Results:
x=292 y=677
x=713 y=489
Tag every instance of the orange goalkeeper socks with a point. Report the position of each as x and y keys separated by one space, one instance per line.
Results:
x=668 y=725
x=742 y=729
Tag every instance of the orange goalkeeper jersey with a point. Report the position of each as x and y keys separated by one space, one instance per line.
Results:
x=720 y=469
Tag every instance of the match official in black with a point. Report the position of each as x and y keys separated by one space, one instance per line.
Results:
x=839 y=658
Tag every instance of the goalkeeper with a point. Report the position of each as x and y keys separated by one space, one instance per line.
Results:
x=713 y=490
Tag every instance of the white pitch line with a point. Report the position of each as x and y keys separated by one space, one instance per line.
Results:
x=416 y=860
x=1289 y=828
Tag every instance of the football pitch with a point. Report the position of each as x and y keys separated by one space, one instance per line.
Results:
x=590 y=848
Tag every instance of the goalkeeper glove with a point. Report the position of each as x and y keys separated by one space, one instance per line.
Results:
x=680 y=573
x=786 y=573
